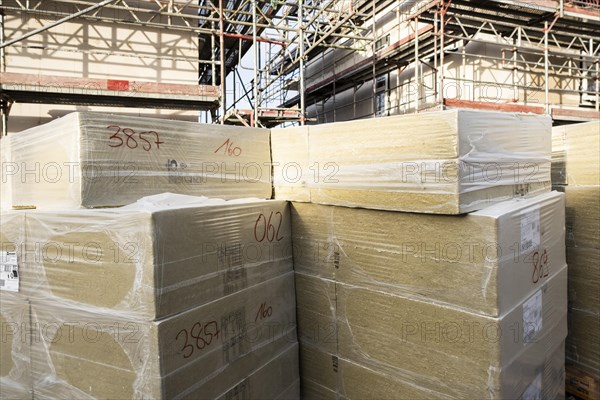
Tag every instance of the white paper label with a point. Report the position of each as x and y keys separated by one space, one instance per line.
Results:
x=532 y=317
x=9 y=271
x=530 y=229
x=534 y=390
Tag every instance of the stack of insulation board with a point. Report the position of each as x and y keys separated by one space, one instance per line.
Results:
x=173 y=296
x=99 y=160
x=447 y=162
x=153 y=301
x=576 y=171
x=415 y=305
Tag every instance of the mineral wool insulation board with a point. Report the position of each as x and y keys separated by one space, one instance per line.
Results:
x=575 y=159
x=486 y=261
x=583 y=246
x=151 y=259
x=539 y=372
x=432 y=348
x=576 y=171
x=202 y=353
x=96 y=160
x=15 y=362
x=447 y=162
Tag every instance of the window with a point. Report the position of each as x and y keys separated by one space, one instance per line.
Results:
x=382 y=42
x=380 y=95
x=588 y=83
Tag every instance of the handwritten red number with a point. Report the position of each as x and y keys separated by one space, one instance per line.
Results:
x=148 y=145
x=200 y=342
x=264 y=228
x=202 y=335
x=186 y=345
x=130 y=138
x=158 y=142
x=263 y=312
x=540 y=266
x=229 y=149
x=115 y=135
x=277 y=237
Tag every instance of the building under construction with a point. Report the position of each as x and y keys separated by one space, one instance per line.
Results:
x=273 y=62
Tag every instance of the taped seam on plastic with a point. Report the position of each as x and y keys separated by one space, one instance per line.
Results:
x=489 y=268
x=490 y=382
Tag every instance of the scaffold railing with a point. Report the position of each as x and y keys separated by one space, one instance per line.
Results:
x=283 y=38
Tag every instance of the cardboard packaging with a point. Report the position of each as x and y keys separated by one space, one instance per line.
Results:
x=155 y=258
x=429 y=350
x=487 y=261
x=203 y=353
x=99 y=160
x=448 y=162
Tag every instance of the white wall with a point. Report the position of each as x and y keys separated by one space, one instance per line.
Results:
x=101 y=50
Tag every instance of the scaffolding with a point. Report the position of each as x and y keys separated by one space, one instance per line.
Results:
x=284 y=38
x=554 y=41
x=226 y=31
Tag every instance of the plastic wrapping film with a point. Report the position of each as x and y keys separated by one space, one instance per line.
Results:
x=540 y=375
x=158 y=257
x=279 y=379
x=576 y=171
x=583 y=249
x=448 y=162
x=356 y=341
x=575 y=158
x=15 y=370
x=15 y=363
x=5 y=177
x=96 y=160
x=486 y=261
x=205 y=310
x=199 y=353
x=583 y=342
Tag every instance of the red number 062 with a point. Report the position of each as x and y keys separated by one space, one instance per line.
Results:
x=265 y=229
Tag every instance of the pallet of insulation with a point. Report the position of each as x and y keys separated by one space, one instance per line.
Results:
x=576 y=172
x=5 y=178
x=202 y=353
x=356 y=340
x=150 y=258
x=575 y=159
x=448 y=162
x=486 y=261
x=170 y=297
x=15 y=362
x=87 y=159
x=432 y=306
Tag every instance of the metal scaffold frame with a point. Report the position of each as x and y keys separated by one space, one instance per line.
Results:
x=557 y=39
x=285 y=36
x=226 y=31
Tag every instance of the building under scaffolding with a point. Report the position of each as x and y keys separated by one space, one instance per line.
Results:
x=532 y=56
x=310 y=60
